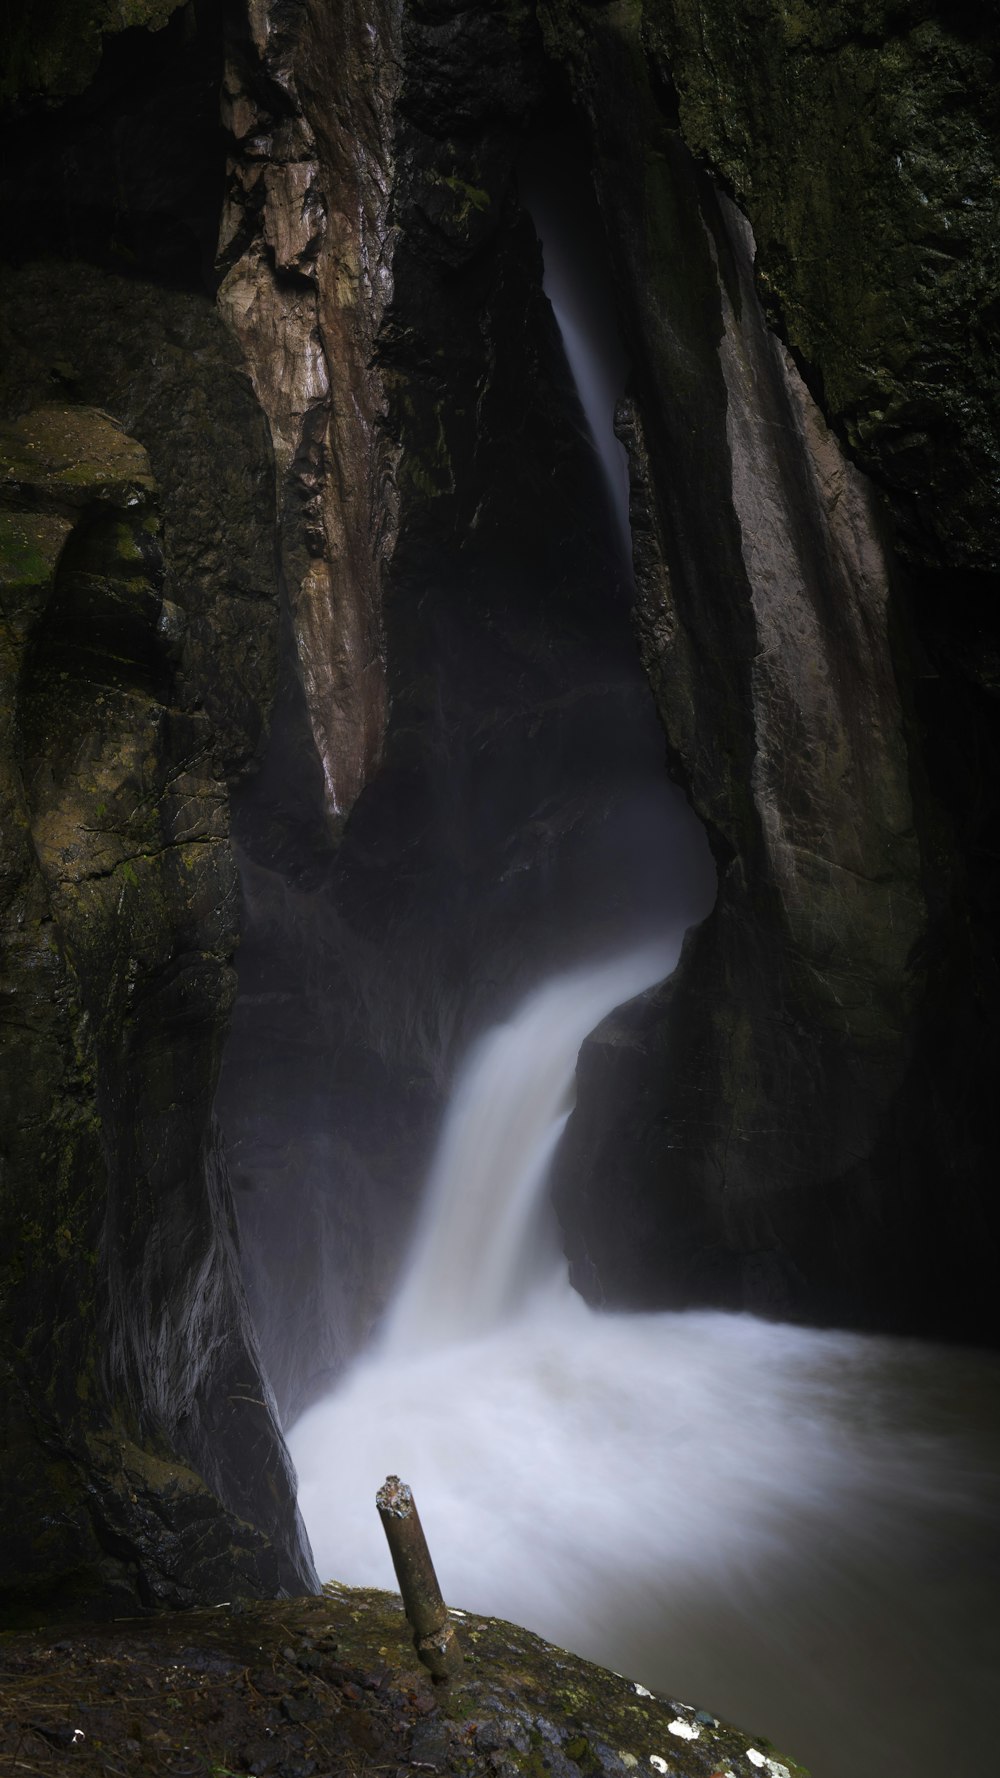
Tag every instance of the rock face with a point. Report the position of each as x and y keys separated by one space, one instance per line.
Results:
x=307 y=249
x=780 y=1114
x=133 y=1394
x=468 y=867
x=862 y=141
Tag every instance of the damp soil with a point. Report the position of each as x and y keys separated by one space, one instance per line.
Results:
x=330 y=1685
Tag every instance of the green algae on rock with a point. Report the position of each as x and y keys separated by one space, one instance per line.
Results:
x=54 y=49
x=862 y=142
x=331 y=1683
x=118 y=907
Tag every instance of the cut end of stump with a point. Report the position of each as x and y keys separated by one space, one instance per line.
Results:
x=395 y=1498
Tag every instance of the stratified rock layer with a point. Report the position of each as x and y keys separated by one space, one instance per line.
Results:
x=307 y=250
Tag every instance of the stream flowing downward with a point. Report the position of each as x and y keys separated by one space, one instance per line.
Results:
x=794 y=1528
x=791 y=1527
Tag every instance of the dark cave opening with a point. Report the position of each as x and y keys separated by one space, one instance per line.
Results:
x=130 y=173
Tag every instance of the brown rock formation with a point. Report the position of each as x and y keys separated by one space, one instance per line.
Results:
x=307 y=249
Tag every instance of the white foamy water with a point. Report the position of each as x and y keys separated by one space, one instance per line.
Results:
x=486 y=1234
x=790 y=1527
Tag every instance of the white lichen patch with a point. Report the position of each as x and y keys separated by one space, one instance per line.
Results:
x=685 y=1731
x=772 y=1767
x=640 y=1690
x=658 y=1764
x=627 y=1759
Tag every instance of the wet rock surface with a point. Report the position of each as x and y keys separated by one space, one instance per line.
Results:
x=306 y=252
x=782 y=641
x=331 y=1684
x=862 y=142
x=459 y=878
x=133 y=1387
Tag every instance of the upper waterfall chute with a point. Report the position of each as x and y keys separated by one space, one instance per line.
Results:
x=576 y=279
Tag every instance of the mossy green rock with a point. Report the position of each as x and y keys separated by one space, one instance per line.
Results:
x=132 y=1398
x=331 y=1683
x=763 y=1134
x=862 y=139
x=53 y=50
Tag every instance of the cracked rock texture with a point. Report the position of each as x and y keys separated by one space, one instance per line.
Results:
x=307 y=249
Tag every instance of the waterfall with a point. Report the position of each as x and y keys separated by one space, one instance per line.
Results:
x=793 y=1528
x=486 y=1235
x=577 y=284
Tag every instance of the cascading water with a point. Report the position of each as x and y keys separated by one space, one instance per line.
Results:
x=579 y=291
x=788 y=1526
x=487 y=1234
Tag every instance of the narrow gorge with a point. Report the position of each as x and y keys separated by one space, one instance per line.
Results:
x=489 y=491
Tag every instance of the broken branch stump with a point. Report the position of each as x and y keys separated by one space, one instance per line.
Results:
x=434 y=1636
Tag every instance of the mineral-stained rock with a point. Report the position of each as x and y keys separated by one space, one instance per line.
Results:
x=799 y=1122
x=306 y=248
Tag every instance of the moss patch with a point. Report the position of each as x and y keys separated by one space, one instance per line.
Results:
x=862 y=141
x=331 y=1684
x=52 y=47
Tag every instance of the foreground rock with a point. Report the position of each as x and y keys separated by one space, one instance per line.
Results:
x=330 y=1683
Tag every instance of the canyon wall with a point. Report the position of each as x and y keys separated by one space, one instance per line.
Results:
x=143 y=1464
x=282 y=388
x=803 y=1133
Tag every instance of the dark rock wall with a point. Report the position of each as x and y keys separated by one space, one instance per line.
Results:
x=139 y=608
x=784 y=1146
x=862 y=140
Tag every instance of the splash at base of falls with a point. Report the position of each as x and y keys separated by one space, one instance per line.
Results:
x=788 y=1527
x=791 y=1528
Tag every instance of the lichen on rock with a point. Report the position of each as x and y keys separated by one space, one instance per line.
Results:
x=334 y=1679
